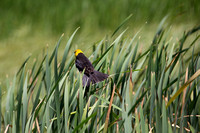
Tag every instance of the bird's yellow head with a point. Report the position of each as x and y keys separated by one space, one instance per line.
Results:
x=78 y=51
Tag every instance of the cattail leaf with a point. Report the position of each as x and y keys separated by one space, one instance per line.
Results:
x=37 y=74
x=48 y=76
x=192 y=129
x=98 y=49
x=22 y=66
x=97 y=63
x=54 y=52
x=49 y=128
x=108 y=113
x=0 y=107
x=125 y=20
x=83 y=122
x=37 y=98
x=153 y=93
x=66 y=104
x=80 y=95
x=160 y=85
x=169 y=127
x=127 y=105
x=164 y=119
x=158 y=118
x=191 y=79
x=137 y=102
x=13 y=123
x=69 y=64
x=107 y=102
x=66 y=51
x=142 y=121
x=115 y=42
x=19 y=99
x=57 y=93
x=25 y=103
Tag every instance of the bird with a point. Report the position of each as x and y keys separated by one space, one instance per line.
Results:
x=90 y=75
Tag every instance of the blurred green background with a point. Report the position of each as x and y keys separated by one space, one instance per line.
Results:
x=27 y=26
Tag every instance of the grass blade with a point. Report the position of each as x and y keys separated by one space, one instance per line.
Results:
x=23 y=65
x=68 y=45
x=142 y=120
x=19 y=99
x=37 y=98
x=37 y=74
x=137 y=102
x=54 y=52
x=108 y=113
x=125 y=20
x=66 y=104
x=83 y=122
x=158 y=119
x=0 y=107
x=57 y=94
x=25 y=103
x=164 y=119
x=183 y=87
x=153 y=92
x=13 y=123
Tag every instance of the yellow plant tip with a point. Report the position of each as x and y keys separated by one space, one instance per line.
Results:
x=73 y=113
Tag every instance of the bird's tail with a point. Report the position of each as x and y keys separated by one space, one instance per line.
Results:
x=95 y=77
x=98 y=77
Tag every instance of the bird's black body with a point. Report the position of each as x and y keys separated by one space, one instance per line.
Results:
x=90 y=75
x=82 y=63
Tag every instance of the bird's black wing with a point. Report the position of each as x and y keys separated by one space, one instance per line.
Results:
x=82 y=63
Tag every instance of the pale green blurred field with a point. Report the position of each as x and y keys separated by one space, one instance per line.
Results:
x=26 y=27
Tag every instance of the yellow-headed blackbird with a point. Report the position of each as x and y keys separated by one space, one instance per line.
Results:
x=90 y=75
